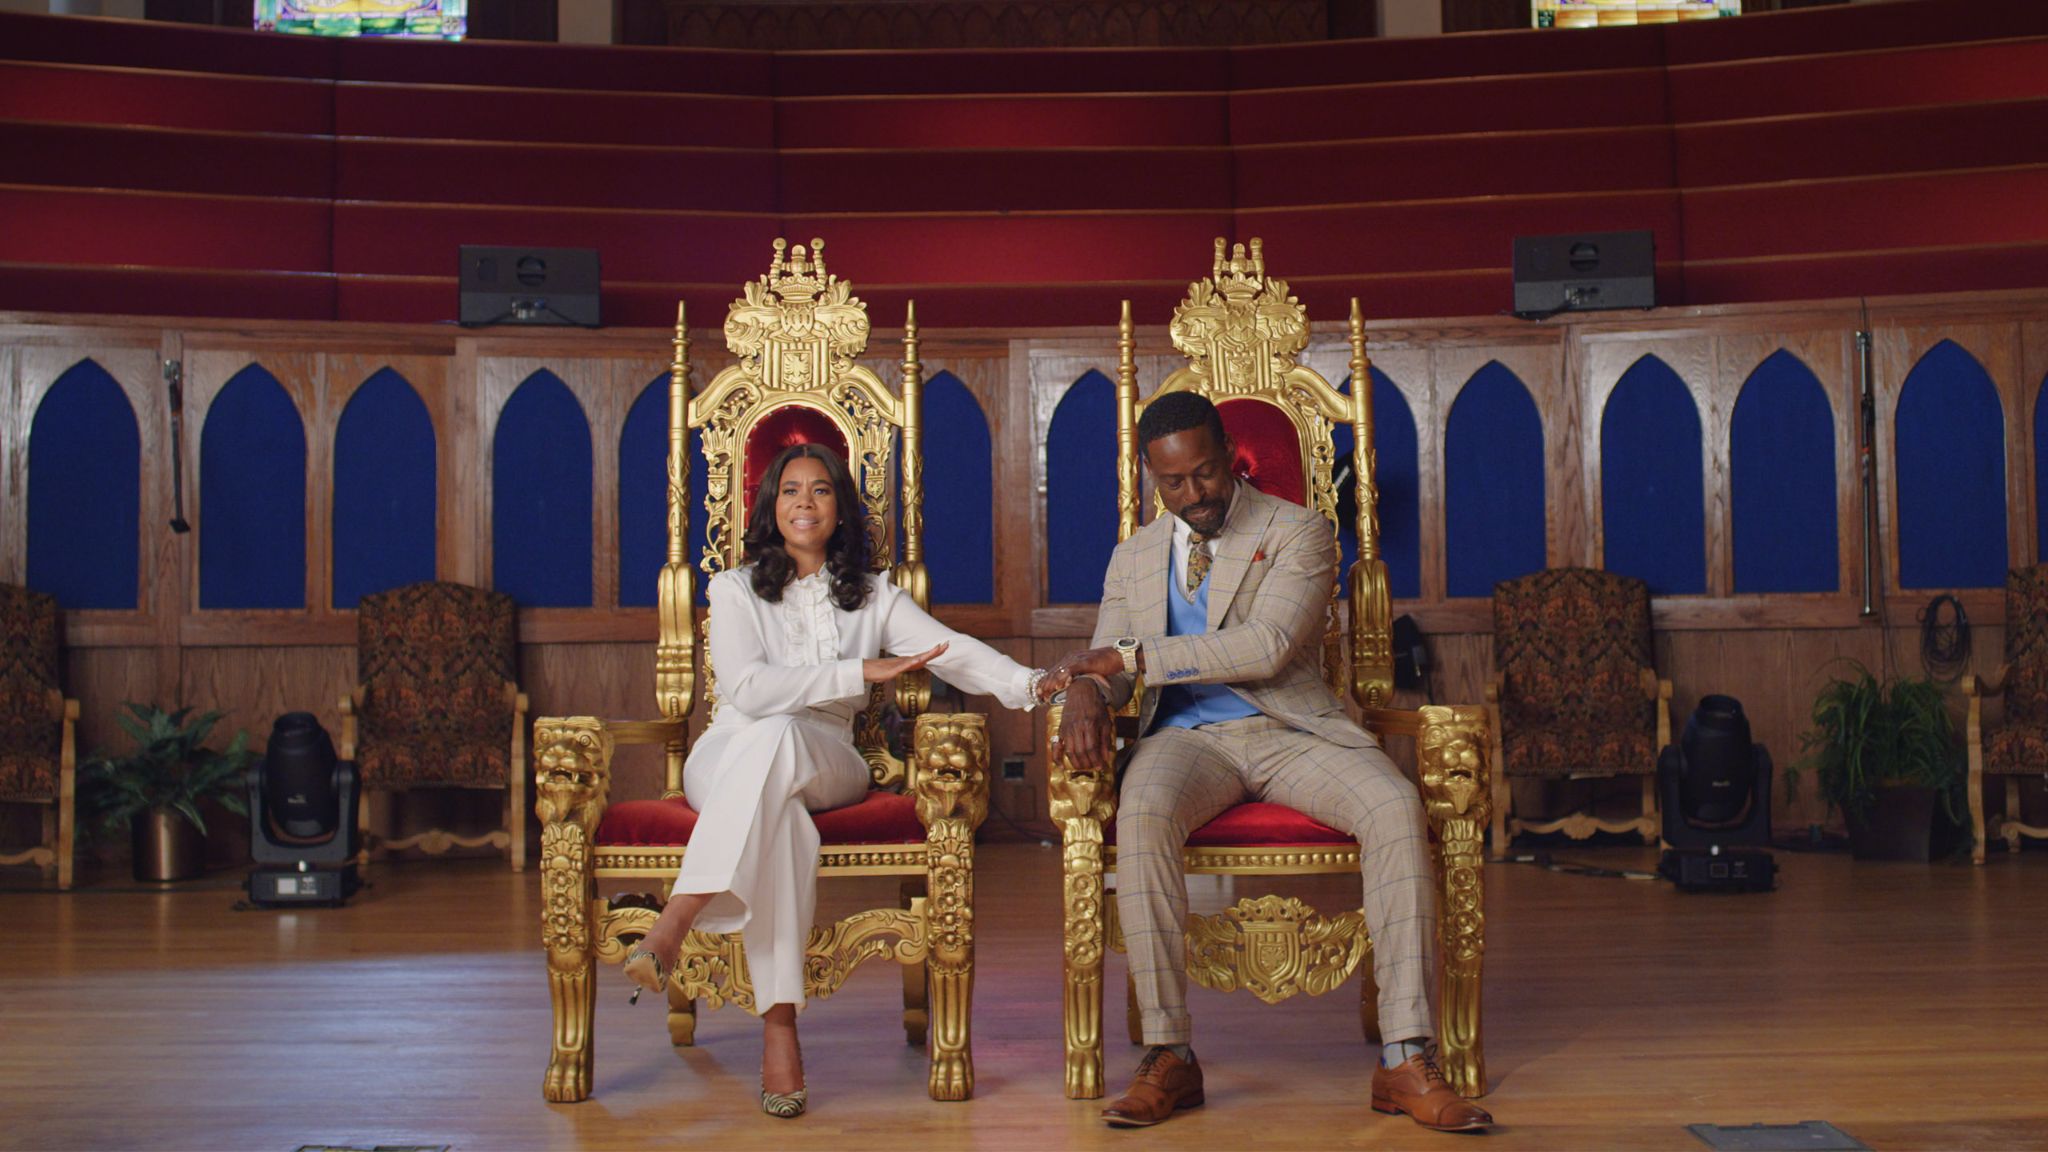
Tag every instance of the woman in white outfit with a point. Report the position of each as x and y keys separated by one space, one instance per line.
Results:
x=797 y=635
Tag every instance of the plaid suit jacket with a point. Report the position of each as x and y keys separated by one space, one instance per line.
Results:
x=1270 y=583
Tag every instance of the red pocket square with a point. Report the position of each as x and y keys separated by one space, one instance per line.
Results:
x=1258 y=556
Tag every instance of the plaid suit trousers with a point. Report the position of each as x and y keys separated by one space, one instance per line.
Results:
x=1181 y=778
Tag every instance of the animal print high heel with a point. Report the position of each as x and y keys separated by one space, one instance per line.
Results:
x=784 y=1105
x=647 y=972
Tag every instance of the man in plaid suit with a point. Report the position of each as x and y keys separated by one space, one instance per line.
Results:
x=1221 y=608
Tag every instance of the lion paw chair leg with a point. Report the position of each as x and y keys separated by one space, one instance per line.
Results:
x=575 y=1006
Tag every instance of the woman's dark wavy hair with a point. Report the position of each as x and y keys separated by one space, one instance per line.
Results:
x=846 y=554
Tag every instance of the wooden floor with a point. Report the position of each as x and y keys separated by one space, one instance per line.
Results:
x=1904 y=1003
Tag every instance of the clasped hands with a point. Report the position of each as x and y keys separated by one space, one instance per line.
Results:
x=1086 y=735
x=1087 y=732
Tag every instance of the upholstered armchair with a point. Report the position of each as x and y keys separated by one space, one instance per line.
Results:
x=437 y=706
x=1241 y=332
x=2018 y=746
x=796 y=334
x=38 y=748
x=1575 y=694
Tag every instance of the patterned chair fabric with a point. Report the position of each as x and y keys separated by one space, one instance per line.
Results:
x=1571 y=646
x=2019 y=745
x=31 y=736
x=436 y=658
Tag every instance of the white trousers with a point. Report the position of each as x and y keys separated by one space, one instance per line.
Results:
x=754 y=786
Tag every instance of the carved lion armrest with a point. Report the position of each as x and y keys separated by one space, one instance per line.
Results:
x=949 y=770
x=1080 y=798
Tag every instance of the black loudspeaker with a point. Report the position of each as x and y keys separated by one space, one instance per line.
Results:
x=529 y=286
x=1583 y=272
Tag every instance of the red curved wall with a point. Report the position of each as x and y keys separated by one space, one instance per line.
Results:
x=1868 y=149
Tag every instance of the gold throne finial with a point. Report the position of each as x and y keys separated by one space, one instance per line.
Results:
x=1238 y=327
x=799 y=278
x=1240 y=278
x=798 y=326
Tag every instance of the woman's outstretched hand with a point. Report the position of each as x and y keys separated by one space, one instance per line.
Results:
x=889 y=667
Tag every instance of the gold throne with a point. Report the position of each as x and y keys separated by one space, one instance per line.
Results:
x=796 y=333
x=1241 y=332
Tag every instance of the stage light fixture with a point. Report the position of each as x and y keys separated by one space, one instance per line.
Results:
x=302 y=818
x=1714 y=785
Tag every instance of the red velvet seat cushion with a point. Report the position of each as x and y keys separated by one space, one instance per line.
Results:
x=1258 y=825
x=881 y=818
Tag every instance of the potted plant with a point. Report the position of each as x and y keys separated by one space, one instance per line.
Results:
x=1885 y=754
x=157 y=789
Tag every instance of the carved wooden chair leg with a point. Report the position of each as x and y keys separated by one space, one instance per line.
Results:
x=1134 y=1023
x=2010 y=825
x=1503 y=800
x=515 y=821
x=572 y=987
x=1086 y=939
x=951 y=787
x=369 y=851
x=1976 y=795
x=1651 y=826
x=916 y=977
x=682 y=1016
x=1369 y=1001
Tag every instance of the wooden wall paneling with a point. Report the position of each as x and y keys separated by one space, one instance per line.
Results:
x=614 y=680
x=13 y=471
x=104 y=679
x=1897 y=348
x=2033 y=383
x=2019 y=395
x=459 y=520
x=1608 y=355
x=258 y=683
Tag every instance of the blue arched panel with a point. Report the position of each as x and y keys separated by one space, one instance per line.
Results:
x=85 y=492
x=541 y=497
x=1493 y=484
x=252 y=497
x=2041 y=472
x=1653 y=498
x=959 y=494
x=1781 y=471
x=385 y=486
x=1951 y=474
x=1080 y=491
x=643 y=499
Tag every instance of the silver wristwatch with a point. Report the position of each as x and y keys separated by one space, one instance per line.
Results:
x=1127 y=647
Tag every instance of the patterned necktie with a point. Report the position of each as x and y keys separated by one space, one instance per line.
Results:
x=1198 y=562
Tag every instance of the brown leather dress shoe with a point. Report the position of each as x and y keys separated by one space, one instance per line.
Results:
x=1418 y=1088
x=1164 y=1084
